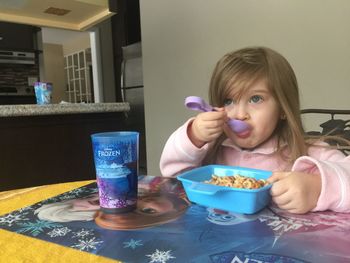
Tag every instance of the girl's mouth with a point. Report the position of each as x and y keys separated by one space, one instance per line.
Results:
x=244 y=134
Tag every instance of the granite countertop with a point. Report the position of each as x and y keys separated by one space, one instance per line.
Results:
x=62 y=108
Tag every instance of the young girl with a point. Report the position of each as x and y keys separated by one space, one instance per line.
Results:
x=259 y=87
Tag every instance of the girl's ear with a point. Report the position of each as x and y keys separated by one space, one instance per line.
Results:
x=283 y=116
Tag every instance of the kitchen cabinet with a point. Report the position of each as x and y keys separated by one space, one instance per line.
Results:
x=18 y=37
x=11 y=100
x=77 y=68
x=46 y=144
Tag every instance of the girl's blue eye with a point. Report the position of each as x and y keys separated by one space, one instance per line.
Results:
x=228 y=102
x=255 y=99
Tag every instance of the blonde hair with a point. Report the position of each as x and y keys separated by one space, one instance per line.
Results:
x=241 y=68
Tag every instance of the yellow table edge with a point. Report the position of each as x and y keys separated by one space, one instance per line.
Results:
x=19 y=248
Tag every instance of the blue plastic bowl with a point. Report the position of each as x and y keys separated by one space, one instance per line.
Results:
x=245 y=201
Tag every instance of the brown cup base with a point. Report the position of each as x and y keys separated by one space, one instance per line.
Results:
x=118 y=210
x=166 y=208
x=131 y=220
x=112 y=221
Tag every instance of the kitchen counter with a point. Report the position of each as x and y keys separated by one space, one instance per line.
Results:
x=63 y=108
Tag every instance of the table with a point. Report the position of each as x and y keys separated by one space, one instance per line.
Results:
x=180 y=231
x=20 y=248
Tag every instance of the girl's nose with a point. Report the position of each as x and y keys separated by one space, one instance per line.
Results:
x=239 y=112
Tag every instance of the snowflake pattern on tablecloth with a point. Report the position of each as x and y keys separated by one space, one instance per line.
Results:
x=59 y=232
x=83 y=190
x=242 y=257
x=25 y=209
x=83 y=233
x=68 y=197
x=160 y=256
x=50 y=200
x=37 y=227
x=87 y=244
x=14 y=217
x=75 y=193
x=184 y=240
x=132 y=244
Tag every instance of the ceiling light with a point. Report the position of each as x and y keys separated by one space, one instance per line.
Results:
x=57 y=11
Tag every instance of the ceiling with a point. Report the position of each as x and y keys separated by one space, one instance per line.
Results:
x=80 y=14
x=60 y=36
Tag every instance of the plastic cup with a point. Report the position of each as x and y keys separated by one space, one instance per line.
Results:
x=43 y=92
x=116 y=158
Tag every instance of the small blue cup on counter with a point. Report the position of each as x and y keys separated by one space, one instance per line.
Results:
x=43 y=91
x=116 y=158
x=239 y=200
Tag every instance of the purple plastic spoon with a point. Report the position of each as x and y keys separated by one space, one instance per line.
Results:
x=197 y=103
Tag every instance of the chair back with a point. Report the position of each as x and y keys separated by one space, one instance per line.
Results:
x=335 y=125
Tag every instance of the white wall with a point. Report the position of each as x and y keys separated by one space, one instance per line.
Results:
x=182 y=40
x=75 y=41
x=77 y=44
x=53 y=62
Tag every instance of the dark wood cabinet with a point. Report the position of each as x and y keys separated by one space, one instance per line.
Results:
x=38 y=150
x=18 y=37
x=126 y=30
x=12 y=100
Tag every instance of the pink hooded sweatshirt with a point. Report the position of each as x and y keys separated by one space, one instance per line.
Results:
x=179 y=154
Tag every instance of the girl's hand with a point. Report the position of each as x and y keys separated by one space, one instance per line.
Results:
x=295 y=192
x=207 y=126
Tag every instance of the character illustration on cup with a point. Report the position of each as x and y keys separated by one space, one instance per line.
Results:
x=116 y=163
x=114 y=192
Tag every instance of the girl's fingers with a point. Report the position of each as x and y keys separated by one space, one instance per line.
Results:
x=281 y=200
x=219 y=109
x=284 y=201
x=214 y=125
x=276 y=176
x=210 y=116
x=214 y=134
x=278 y=188
x=288 y=207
